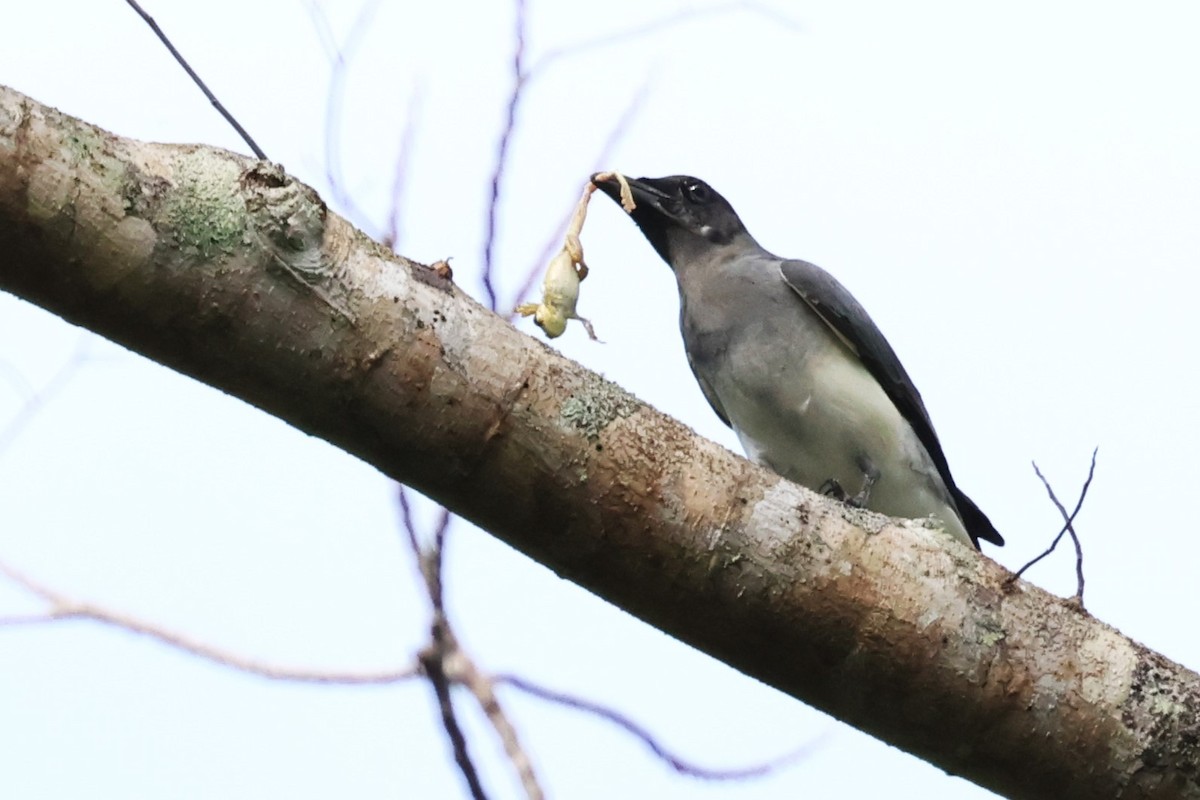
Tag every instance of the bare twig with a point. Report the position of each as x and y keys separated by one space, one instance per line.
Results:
x=36 y=401
x=439 y=658
x=1069 y=522
x=522 y=77
x=445 y=663
x=340 y=57
x=1068 y=526
x=391 y=236
x=555 y=241
x=433 y=662
x=212 y=98
x=63 y=608
x=429 y=559
x=483 y=688
x=675 y=762
x=323 y=29
x=506 y=134
x=433 y=557
x=17 y=380
x=657 y=26
x=406 y=519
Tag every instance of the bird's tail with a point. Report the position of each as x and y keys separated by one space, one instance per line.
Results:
x=975 y=521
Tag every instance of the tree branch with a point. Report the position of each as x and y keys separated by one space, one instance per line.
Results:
x=228 y=270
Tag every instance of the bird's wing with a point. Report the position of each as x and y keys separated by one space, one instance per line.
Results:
x=709 y=394
x=849 y=321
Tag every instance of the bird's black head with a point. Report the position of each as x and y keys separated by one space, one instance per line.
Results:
x=681 y=216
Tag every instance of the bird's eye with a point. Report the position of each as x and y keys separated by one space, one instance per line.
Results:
x=696 y=192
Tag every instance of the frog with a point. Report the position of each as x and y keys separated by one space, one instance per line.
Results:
x=567 y=269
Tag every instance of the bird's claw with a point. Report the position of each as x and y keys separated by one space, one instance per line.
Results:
x=832 y=488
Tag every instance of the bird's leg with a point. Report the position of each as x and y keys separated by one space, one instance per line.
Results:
x=832 y=488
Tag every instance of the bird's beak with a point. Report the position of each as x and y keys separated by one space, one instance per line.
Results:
x=656 y=212
x=650 y=201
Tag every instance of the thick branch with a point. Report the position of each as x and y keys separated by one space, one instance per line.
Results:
x=229 y=271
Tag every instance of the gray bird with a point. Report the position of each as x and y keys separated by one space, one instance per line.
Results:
x=791 y=361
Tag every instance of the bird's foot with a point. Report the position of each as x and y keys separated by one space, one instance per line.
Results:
x=860 y=500
x=832 y=488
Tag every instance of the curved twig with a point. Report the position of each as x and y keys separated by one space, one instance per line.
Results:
x=629 y=726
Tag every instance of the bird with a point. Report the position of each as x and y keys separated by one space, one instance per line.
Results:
x=794 y=365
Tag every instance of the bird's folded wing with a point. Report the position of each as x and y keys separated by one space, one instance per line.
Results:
x=843 y=314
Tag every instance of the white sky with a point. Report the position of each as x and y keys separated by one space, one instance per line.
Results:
x=1012 y=191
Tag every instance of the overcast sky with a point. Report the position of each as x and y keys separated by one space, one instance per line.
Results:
x=1011 y=190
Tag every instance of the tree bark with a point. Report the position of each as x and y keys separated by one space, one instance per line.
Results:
x=228 y=270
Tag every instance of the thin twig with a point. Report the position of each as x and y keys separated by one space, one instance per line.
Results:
x=340 y=63
x=1068 y=525
x=406 y=518
x=656 y=26
x=444 y=663
x=435 y=557
x=433 y=661
x=483 y=688
x=555 y=241
x=1070 y=522
x=675 y=762
x=34 y=404
x=429 y=560
x=212 y=98
x=324 y=30
x=442 y=647
x=521 y=80
x=17 y=380
x=391 y=237
x=63 y=608
x=17 y=620
x=506 y=134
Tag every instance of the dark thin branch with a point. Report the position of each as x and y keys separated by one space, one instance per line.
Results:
x=434 y=558
x=442 y=645
x=440 y=658
x=506 y=134
x=629 y=726
x=1067 y=526
x=445 y=663
x=433 y=663
x=212 y=98
x=1069 y=522
x=429 y=559
x=406 y=518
